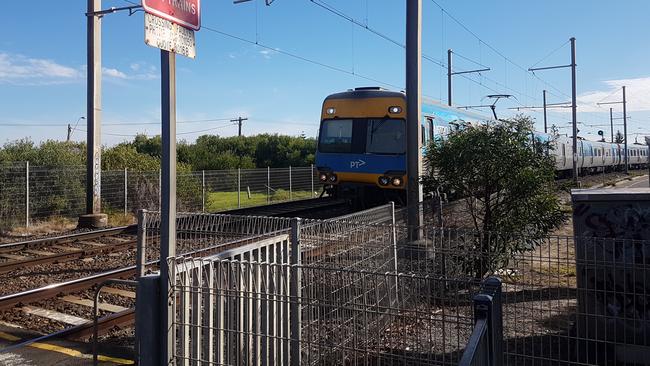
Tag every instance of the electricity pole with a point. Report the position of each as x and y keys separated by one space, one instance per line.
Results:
x=413 y=110
x=451 y=73
x=574 y=107
x=239 y=121
x=69 y=133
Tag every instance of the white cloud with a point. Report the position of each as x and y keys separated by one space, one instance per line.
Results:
x=19 y=69
x=637 y=92
x=267 y=53
x=114 y=73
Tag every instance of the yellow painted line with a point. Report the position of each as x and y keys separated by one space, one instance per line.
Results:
x=67 y=351
x=8 y=337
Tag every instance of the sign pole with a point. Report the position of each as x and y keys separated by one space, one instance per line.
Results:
x=168 y=214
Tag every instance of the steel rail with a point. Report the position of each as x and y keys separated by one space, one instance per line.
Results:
x=62 y=257
x=53 y=290
x=35 y=243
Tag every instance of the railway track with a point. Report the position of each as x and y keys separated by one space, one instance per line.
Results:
x=64 y=308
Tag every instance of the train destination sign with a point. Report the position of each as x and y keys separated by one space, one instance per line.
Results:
x=182 y=12
x=162 y=33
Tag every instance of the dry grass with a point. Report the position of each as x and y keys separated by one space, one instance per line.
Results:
x=120 y=219
x=55 y=224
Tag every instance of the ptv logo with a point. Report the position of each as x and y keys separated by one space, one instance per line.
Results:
x=356 y=164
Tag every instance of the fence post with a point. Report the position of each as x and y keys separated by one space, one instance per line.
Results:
x=27 y=194
x=312 y=180
x=126 y=195
x=268 y=184
x=141 y=248
x=202 y=190
x=294 y=294
x=492 y=285
x=147 y=321
x=238 y=187
x=159 y=189
x=290 y=185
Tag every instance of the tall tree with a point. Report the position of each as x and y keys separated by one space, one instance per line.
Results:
x=505 y=178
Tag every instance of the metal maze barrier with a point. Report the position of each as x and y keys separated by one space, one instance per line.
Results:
x=340 y=292
x=324 y=292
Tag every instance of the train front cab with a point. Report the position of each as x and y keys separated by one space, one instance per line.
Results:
x=361 y=151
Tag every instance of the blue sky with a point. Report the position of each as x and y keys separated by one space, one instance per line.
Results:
x=42 y=63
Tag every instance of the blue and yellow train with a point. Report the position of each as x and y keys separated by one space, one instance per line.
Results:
x=362 y=143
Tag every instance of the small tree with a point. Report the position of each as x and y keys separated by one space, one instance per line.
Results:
x=505 y=177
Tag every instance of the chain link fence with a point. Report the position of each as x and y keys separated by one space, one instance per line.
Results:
x=29 y=194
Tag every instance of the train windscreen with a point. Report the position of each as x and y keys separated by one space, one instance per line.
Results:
x=361 y=135
x=336 y=136
x=386 y=136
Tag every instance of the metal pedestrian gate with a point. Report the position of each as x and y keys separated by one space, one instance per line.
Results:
x=234 y=308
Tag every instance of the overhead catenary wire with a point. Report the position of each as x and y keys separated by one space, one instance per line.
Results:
x=121 y=123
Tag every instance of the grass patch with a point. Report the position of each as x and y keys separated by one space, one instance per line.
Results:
x=120 y=219
x=55 y=224
x=221 y=201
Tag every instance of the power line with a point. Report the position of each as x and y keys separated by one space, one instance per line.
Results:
x=18 y=124
x=178 y=133
x=302 y=58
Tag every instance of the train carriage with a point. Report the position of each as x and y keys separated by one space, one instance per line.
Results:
x=362 y=144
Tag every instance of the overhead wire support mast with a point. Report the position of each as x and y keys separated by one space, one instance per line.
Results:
x=574 y=108
x=93 y=216
x=451 y=73
x=545 y=106
x=624 y=102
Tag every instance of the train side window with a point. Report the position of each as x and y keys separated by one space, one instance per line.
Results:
x=430 y=126
x=424 y=134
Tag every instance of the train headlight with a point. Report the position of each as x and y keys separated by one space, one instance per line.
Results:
x=323 y=177
x=397 y=181
x=384 y=181
x=333 y=178
x=395 y=109
x=330 y=110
